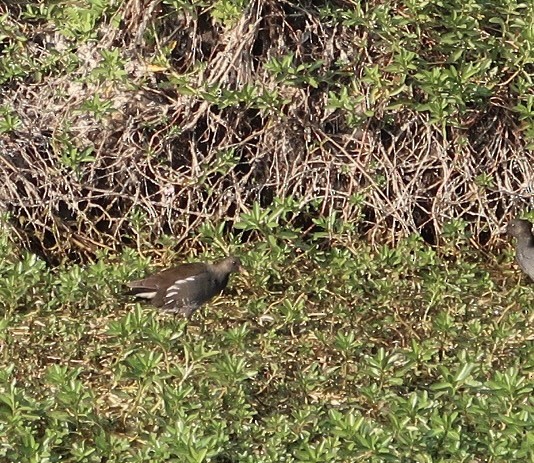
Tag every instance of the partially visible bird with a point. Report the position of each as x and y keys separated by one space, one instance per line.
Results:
x=524 y=249
x=185 y=288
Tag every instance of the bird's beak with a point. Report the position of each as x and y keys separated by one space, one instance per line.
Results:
x=242 y=270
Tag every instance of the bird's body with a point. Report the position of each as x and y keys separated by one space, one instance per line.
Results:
x=185 y=288
x=524 y=250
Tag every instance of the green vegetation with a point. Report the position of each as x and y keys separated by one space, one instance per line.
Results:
x=357 y=156
x=330 y=350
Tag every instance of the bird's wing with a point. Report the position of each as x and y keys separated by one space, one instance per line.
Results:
x=166 y=277
x=188 y=293
x=525 y=259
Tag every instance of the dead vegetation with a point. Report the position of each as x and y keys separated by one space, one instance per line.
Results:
x=184 y=132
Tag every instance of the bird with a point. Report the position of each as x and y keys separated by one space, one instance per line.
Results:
x=183 y=289
x=524 y=250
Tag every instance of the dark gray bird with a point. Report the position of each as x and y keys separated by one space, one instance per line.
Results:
x=185 y=288
x=524 y=249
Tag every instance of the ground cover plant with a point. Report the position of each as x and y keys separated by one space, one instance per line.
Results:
x=342 y=352
x=360 y=157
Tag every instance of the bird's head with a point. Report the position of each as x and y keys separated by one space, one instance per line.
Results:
x=231 y=264
x=519 y=228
